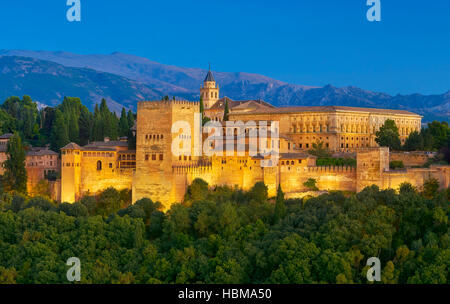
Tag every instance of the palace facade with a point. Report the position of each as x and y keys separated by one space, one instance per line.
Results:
x=155 y=171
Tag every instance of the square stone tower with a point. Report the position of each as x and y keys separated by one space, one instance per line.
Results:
x=70 y=172
x=161 y=124
x=371 y=163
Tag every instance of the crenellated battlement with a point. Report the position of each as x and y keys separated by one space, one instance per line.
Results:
x=183 y=169
x=331 y=169
x=167 y=104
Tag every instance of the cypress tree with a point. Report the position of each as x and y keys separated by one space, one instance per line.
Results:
x=226 y=111
x=123 y=123
x=85 y=121
x=59 y=135
x=130 y=119
x=280 y=207
x=15 y=176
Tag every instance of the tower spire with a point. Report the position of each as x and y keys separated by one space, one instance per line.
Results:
x=210 y=91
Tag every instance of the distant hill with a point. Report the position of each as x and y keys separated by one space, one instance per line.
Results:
x=48 y=83
x=185 y=82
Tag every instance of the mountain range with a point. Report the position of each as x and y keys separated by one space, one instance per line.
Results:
x=124 y=79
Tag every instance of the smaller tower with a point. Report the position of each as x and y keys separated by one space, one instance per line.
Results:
x=210 y=90
x=70 y=172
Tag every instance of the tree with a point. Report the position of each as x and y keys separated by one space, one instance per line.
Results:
x=259 y=193
x=430 y=187
x=396 y=164
x=85 y=121
x=196 y=191
x=109 y=201
x=280 y=207
x=414 y=142
x=319 y=150
x=123 y=124
x=106 y=123
x=311 y=184
x=440 y=133
x=428 y=139
x=25 y=114
x=15 y=176
x=226 y=111
x=407 y=188
x=205 y=119
x=59 y=135
x=388 y=135
x=42 y=188
x=71 y=109
x=7 y=122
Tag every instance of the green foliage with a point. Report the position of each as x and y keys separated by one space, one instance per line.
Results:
x=414 y=142
x=407 y=188
x=226 y=111
x=330 y=161
x=319 y=150
x=396 y=164
x=388 y=136
x=440 y=133
x=228 y=236
x=106 y=123
x=22 y=116
x=123 y=124
x=259 y=192
x=59 y=136
x=430 y=187
x=15 y=175
x=311 y=184
x=7 y=122
x=110 y=201
x=42 y=188
x=433 y=138
x=198 y=190
x=280 y=207
x=70 y=121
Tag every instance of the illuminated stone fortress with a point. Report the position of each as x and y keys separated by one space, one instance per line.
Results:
x=154 y=171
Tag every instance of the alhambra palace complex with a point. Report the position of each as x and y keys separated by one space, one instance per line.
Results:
x=153 y=171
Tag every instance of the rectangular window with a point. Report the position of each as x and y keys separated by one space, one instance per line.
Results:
x=153 y=156
x=161 y=157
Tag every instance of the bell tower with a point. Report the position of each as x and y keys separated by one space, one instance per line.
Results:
x=210 y=90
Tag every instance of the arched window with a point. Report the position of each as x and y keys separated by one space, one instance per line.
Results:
x=99 y=166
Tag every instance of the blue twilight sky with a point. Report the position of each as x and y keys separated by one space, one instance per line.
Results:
x=310 y=42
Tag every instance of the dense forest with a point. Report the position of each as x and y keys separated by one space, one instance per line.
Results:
x=216 y=235
x=70 y=121
x=224 y=235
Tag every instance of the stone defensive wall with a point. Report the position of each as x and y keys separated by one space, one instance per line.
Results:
x=328 y=178
x=93 y=180
x=411 y=159
x=416 y=177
